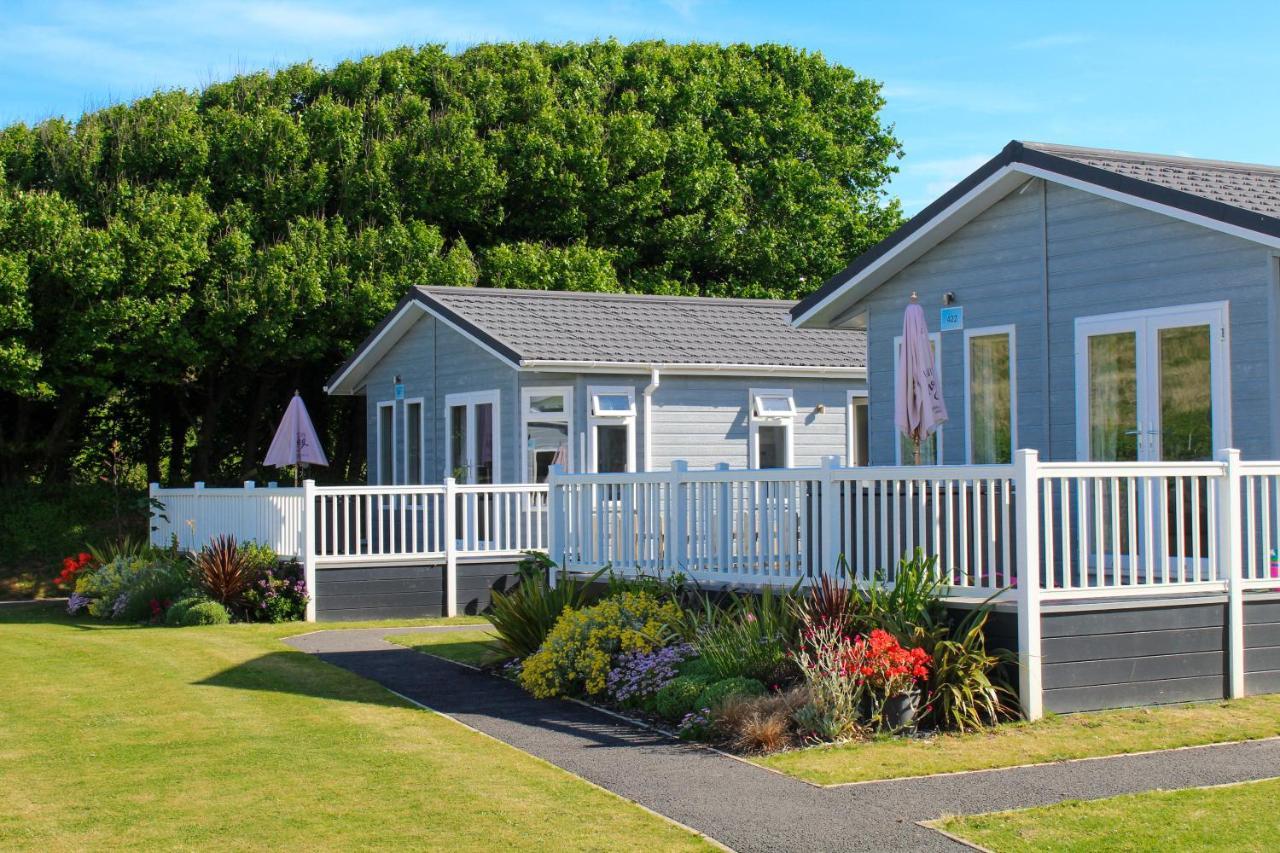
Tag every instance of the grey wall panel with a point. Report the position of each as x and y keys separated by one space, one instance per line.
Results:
x=378 y=592
x=1136 y=644
x=1084 y=622
x=1066 y=700
x=1262 y=643
x=1102 y=257
x=1117 y=654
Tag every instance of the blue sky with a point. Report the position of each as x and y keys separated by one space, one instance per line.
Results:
x=961 y=78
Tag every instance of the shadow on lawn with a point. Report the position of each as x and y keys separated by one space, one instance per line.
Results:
x=299 y=675
x=49 y=612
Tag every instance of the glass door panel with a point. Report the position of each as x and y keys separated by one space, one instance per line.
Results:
x=1113 y=397
x=483 y=439
x=1186 y=393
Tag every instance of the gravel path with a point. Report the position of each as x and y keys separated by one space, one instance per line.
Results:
x=743 y=806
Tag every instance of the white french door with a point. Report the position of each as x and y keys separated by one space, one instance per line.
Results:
x=1150 y=386
x=1153 y=385
x=471 y=437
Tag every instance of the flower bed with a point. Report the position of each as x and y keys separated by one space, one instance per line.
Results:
x=757 y=673
x=222 y=583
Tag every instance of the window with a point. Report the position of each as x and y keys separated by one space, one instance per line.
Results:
x=414 y=470
x=547 y=424
x=386 y=443
x=772 y=428
x=612 y=429
x=989 y=395
x=472 y=450
x=857 y=438
x=931 y=447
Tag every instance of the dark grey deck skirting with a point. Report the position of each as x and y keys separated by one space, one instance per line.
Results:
x=746 y=807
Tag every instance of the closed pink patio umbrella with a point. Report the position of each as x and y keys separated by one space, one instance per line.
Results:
x=918 y=406
x=296 y=441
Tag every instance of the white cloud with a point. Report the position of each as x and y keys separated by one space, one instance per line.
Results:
x=925 y=180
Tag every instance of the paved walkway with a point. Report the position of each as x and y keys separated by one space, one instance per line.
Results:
x=745 y=807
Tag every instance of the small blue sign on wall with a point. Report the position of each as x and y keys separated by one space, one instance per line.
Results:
x=952 y=318
x=399 y=390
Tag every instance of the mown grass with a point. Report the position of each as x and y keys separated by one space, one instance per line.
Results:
x=1232 y=818
x=224 y=737
x=1055 y=738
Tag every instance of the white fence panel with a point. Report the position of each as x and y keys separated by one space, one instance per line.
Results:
x=195 y=516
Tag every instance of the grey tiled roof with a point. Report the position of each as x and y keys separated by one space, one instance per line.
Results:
x=1243 y=185
x=595 y=327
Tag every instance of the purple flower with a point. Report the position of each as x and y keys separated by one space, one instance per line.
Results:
x=639 y=674
x=77 y=602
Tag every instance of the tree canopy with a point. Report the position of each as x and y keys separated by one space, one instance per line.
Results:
x=171 y=268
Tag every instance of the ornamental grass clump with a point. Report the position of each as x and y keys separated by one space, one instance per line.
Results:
x=749 y=637
x=224 y=571
x=581 y=649
x=524 y=616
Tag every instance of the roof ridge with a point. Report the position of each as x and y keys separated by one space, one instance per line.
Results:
x=1122 y=154
x=621 y=297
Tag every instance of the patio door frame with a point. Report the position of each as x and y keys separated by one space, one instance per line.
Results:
x=1146 y=325
x=471 y=437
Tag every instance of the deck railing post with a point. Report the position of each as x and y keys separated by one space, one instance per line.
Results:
x=1230 y=553
x=724 y=525
x=557 y=522
x=450 y=547
x=674 y=551
x=1026 y=479
x=829 y=515
x=308 y=518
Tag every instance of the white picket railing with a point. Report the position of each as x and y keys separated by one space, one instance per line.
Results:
x=362 y=525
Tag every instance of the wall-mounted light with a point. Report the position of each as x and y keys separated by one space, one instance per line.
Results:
x=820 y=409
x=949 y=298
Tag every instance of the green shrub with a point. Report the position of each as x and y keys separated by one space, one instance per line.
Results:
x=677 y=698
x=964 y=694
x=524 y=616
x=698 y=668
x=178 y=610
x=579 y=651
x=718 y=691
x=277 y=594
x=203 y=613
x=127 y=583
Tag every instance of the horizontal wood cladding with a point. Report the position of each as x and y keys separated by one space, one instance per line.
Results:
x=1262 y=644
x=1116 y=655
x=398 y=592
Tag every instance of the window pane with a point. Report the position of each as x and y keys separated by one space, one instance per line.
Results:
x=928 y=450
x=1186 y=394
x=611 y=449
x=484 y=443
x=548 y=445
x=458 y=442
x=1113 y=397
x=547 y=403
x=386 y=448
x=772 y=444
x=990 y=403
x=615 y=404
x=861 y=433
x=413 y=443
x=774 y=405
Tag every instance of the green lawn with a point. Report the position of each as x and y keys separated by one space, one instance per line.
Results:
x=200 y=737
x=1232 y=818
x=1050 y=739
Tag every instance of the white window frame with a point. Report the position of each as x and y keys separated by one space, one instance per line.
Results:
x=391 y=467
x=986 y=332
x=1216 y=315
x=936 y=339
x=528 y=416
x=857 y=398
x=422 y=439
x=787 y=422
x=627 y=419
x=471 y=399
